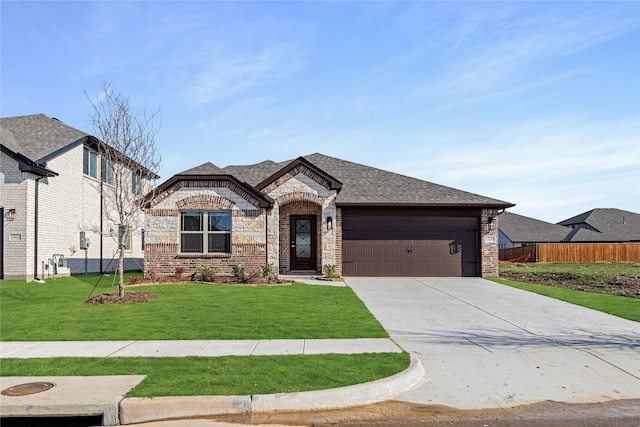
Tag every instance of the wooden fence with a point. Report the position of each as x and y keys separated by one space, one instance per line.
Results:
x=575 y=252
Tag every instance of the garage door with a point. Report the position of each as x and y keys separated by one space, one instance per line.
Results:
x=409 y=246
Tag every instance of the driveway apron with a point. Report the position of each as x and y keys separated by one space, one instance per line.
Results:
x=486 y=345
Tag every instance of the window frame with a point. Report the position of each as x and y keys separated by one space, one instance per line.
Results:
x=106 y=171
x=87 y=155
x=136 y=183
x=205 y=232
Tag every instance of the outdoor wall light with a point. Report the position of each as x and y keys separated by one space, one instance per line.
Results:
x=329 y=223
x=491 y=225
x=11 y=214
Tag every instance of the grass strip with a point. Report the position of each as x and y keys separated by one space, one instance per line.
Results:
x=210 y=376
x=627 y=308
x=588 y=272
x=56 y=311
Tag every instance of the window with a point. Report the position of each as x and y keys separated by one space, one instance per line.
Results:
x=136 y=184
x=126 y=231
x=205 y=232
x=90 y=162
x=107 y=171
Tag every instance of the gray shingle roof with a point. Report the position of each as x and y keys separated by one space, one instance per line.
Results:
x=204 y=169
x=37 y=136
x=522 y=229
x=616 y=225
x=368 y=185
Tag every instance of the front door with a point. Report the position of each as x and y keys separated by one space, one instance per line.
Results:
x=303 y=242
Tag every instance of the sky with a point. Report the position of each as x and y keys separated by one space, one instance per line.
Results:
x=534 y=103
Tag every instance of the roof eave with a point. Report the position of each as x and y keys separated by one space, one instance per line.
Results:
x=426 y=205
x=25 y=164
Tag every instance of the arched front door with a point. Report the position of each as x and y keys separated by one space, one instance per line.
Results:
x=303 y=242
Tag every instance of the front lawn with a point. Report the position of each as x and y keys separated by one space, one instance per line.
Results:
x=209 y=376
x=56 y=311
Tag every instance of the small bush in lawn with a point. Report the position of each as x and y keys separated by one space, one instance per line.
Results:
x=134 y=280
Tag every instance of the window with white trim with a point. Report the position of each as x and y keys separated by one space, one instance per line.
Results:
x=205 y=232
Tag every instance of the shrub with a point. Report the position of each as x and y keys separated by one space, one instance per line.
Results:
x=134 y=280
x=330 y=270
x=179 y=271
x=238 y=272
x=267 y=271
x=151 y=274
x=204 y=273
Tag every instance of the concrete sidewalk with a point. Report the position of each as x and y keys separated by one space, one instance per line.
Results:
x=203 y=348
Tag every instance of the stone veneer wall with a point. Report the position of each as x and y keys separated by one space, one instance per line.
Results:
x=248 y=234
x=301 y=192
x=489 y=244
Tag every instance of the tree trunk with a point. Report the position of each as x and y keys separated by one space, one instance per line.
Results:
x=121 y=273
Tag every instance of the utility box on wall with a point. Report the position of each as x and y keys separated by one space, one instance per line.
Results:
x=84 y=242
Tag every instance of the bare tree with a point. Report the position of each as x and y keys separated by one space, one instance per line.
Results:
x=129 y=165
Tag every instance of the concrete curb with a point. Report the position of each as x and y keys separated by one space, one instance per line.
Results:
x=139 y=410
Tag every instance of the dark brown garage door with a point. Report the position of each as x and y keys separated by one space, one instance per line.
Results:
x=409 y=246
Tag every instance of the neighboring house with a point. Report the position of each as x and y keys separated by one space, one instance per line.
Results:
x=51 y=203
x=613 y=225
x=518 y=230
x=302 y=214
x=597 y=225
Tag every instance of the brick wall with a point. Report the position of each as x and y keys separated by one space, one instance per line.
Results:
x=248 y=233
x=489 y=243
x=297 y=208
x=16 y=192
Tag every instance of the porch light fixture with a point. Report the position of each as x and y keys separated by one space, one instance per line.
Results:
x=491 y=225
x=11 y=215
x=329 y=223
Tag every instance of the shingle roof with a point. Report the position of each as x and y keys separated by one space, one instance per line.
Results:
x=204 y=169
x=616 y=225
x=371 y=186
x=37 y=136
x=522 y=229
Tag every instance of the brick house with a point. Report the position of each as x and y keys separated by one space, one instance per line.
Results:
x=52 y=204
x=315 y=210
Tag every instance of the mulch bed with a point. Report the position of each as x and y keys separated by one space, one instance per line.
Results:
x=626 y=286
x=129 y=298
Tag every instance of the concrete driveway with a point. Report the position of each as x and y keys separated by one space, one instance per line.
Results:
x=486 y=345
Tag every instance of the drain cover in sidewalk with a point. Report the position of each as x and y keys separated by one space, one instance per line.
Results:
x=27 y=388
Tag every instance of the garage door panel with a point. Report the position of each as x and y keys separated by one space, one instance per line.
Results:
x=409 y=247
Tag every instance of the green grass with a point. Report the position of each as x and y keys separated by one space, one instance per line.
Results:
x=200 y=376
x=588 y=272
x=627 y=308
x=56 y=311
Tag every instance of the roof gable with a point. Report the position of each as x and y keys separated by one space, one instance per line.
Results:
x=304 y=166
